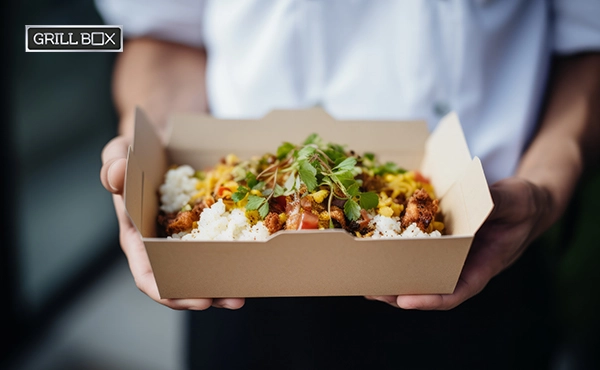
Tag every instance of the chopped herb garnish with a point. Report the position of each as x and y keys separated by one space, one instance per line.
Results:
x=313 y=164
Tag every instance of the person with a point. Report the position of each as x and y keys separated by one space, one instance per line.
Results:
x=524 y=78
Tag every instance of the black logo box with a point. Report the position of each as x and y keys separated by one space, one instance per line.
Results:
x=74 y=38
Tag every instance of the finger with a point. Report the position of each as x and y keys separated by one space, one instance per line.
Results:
x=429 y=302
x=114 y=155
x=230 y=303
x=197 y=304
x=140 y=267
x=476 y=273
x=510 y=194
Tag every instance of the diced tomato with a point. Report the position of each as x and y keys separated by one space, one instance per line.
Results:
x=308 y=221
x=221 y=191
x=306 y=204
x=420 y=178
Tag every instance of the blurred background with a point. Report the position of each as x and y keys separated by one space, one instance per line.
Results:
x=69 y=300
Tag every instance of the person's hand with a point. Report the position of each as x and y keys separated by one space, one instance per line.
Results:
x=112 y=176
x=511 y=227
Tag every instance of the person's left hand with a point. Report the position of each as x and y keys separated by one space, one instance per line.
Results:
x=510 y=228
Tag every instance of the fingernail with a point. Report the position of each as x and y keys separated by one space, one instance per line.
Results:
x=109 y=175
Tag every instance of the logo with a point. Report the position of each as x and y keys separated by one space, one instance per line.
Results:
x=73 y=38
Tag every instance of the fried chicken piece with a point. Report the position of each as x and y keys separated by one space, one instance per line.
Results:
x=272 y=223
x=181 y=221
x=337 y=214
x=420 y=209
x=184 y=221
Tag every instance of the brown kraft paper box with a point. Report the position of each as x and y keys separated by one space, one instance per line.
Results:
x=308 y=262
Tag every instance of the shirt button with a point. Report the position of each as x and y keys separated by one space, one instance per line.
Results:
x=441 y=108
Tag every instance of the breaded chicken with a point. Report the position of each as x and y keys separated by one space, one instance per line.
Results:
x=337 y=214
x=420 y=209
x=272 y=223
x=182 y=221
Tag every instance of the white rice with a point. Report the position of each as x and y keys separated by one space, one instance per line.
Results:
x=217 y=224
x=178 y=188
x=389 y=227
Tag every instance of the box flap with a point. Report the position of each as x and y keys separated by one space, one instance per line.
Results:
x=470 y=201
x=134 y=179
x=201 y=140
x=147 y=145
x=446 y=155
x=151 y=159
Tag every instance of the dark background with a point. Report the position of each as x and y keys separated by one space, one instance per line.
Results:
x=59 y=232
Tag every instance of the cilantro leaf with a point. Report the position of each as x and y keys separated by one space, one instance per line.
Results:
x=353 y=190
x=240 y=193
x=308 y=175
x=263 y=211
x=278 y=190
x=306 y=152
x=251 y=180
x=334 y=155
x=346 y=165
x=345 y=178
x=259 y=185
x=388 y=167
x=312 y=139
x=352 y=210
x=284 y=150
x=290 y=183
x=254 y=202
x=369 y=156
x=369 y=200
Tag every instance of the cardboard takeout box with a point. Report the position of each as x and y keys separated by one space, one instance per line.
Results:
x=311 y=262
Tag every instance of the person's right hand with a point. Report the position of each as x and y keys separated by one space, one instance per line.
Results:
x=112 y=176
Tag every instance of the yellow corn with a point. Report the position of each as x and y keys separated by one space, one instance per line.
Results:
x=252 y=217
x=320 y=195
x=386 y=211
x=439 y=226
x=397 y=208
x=282 y=218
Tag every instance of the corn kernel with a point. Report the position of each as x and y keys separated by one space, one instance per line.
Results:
x=397 y=208
x=320 y=195
x=324 y=216
x=282 y=218
x=386 y=211
x=252 y=217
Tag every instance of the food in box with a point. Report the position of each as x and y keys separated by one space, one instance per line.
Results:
x=308 y=262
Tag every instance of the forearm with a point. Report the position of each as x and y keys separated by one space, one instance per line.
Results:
x=568 y=139
x=159 y=77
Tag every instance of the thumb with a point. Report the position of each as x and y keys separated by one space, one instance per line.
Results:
x=508 y=194
x=114 y=158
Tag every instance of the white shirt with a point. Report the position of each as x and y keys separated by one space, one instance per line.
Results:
x=379 y=59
